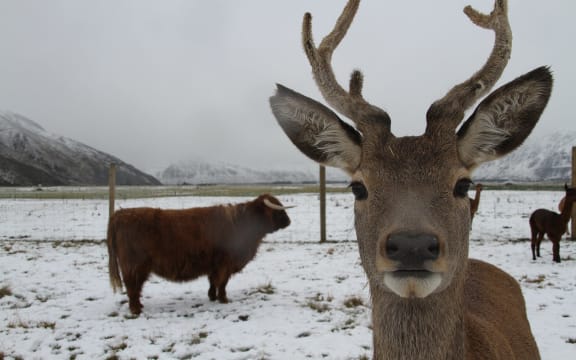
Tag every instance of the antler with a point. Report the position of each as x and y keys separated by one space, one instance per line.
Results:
x=350 y=104
x=449 y=111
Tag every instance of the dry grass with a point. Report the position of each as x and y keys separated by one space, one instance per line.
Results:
x=353 y=301
x=5 y=291
x=537 y=280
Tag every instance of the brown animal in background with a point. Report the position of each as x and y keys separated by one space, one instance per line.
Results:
x=181 y=245
x=543 y=221
x=475 y=202
x=412 y=215
x=560 y=208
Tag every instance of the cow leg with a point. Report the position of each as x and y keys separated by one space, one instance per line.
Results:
x=222 y=289
x=134 y=281
x=212 y=290
x=218 y=281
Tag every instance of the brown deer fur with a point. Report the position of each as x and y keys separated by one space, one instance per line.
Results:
x=412 y=212
x=546 y=222
x=560 y=208
x=181 y=245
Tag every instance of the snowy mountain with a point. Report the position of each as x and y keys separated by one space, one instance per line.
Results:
x=200 y=172
x=29 y=155
x=540 y=158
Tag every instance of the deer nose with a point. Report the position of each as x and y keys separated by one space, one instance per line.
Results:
x=411 y=250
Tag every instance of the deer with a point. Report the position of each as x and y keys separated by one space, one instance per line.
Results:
x=560 y=208
x=547 y=222
x=474 y=203
x=411 y=209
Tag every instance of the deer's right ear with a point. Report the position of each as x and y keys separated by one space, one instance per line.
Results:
x=316 y=130
x=504 y=119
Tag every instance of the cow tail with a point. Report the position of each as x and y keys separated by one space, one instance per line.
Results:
x=115 y=280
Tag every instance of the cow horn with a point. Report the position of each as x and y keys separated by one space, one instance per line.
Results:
x=276 y=206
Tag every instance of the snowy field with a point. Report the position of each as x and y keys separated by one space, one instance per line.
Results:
x=296 y=300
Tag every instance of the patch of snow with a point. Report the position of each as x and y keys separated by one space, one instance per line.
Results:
x=289 y=303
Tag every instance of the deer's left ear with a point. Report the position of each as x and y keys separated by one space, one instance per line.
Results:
x=503 y=120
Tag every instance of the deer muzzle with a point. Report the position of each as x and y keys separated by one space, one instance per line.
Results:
x=410 y=259
x=412 y=251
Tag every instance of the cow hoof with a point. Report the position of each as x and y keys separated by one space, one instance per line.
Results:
x=223 y=301
x=136 y=310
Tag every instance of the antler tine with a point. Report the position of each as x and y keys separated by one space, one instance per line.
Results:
x=350 y=104
x=463 y=96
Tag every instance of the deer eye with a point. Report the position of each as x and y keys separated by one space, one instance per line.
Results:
x=462 y=187
x=359 y=190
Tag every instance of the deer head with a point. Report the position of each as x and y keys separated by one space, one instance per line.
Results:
x=411 y=210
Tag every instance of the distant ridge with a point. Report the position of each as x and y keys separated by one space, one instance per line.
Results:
x=541 y=159
x=545 y=158
x=198 y=172
x=29 y=155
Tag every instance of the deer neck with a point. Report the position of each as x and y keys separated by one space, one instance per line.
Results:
x=431 y=328
x=477 y=198
x=566 y=213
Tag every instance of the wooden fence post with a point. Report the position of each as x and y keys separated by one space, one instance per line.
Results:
x=573 y=222
x=111 y=189
x=322 y=204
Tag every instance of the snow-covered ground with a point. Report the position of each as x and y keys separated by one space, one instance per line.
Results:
x=297 y=299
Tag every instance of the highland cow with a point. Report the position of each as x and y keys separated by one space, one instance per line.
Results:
x=182 y=245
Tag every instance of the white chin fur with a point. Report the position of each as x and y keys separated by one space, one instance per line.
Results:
x=412 y=287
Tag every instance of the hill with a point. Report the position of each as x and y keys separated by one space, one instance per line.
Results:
x=29 y=155
x=200 y=172
x=546 y=158
x=540 y=159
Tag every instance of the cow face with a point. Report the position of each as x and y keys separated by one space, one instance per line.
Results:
x=275 y=212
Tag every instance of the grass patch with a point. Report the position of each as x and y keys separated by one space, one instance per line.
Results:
x=537 y=280
x=169 y=348
x=353 y=302
x=19 y=324
x=318 y=307
x=266 y=289
x=42 y=298
x=5 y=291
x=197 y=339
x=46 y=325
x=242 y=349
x=118 y=347
x=319 y=303
x=72 y=243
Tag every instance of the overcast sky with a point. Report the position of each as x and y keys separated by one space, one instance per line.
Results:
x=155 y=82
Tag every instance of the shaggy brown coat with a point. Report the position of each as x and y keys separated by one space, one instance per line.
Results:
x=181 y=245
